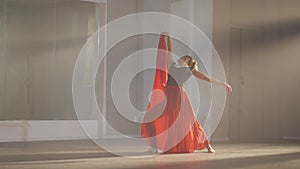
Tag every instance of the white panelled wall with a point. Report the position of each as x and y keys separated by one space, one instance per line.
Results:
x=257 y=40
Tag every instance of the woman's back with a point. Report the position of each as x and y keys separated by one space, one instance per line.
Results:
x=178 y=75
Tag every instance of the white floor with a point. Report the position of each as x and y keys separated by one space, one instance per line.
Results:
x=85 y=154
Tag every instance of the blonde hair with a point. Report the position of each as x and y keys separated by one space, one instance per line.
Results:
x=192 y=63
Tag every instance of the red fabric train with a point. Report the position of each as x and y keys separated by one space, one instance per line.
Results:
x=170 y=123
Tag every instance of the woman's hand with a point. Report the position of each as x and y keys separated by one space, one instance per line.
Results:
x=165 y=33
x=228 y=88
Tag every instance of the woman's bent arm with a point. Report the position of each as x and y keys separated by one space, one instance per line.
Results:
x=205 y=77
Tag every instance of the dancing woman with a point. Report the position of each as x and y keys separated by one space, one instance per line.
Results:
x=170 y=124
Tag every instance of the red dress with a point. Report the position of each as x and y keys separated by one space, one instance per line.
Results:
x=170 y=123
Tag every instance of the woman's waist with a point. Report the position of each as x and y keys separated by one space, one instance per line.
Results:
x=174 y=87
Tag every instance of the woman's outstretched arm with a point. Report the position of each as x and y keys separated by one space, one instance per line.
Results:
x=205 y=77
x=170 y=46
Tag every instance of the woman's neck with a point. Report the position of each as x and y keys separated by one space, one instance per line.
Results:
x=181 y=65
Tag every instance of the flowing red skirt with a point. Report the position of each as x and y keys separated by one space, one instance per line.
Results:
x=172 y=126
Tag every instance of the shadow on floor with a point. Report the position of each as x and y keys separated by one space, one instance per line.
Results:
x=67 y=156
x=54 y=156
x=238 y=162
x=232 y=163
